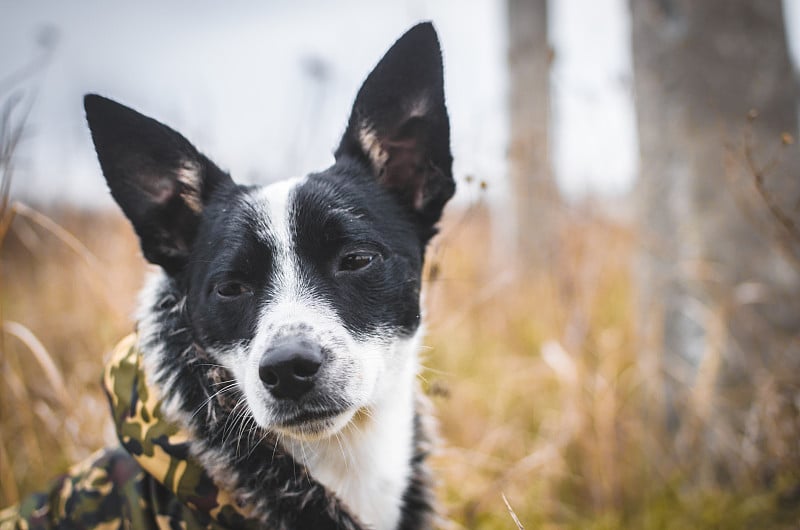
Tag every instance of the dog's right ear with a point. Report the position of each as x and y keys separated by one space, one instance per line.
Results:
x=158 y=178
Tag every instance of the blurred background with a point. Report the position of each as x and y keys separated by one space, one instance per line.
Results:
x=614 y=300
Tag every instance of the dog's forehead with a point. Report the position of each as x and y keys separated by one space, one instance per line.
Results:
x=278 y=210
x=271 y=208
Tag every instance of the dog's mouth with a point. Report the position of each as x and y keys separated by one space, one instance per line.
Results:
x=306 y=417
x=312 y=423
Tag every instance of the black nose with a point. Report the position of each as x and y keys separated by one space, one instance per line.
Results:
x=289 y=368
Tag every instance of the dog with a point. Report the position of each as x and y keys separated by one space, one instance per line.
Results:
x=271 y=382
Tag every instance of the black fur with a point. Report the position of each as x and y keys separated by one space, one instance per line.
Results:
x=380 y=201
x=384 y=295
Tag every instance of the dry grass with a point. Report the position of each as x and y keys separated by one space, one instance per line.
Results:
x=63 y=306
x=548 y=411
x=548 y=398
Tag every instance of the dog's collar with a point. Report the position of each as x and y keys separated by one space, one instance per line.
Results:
x=161 y=448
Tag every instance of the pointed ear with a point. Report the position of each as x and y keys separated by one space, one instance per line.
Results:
x=161 y=182
x=400 y=128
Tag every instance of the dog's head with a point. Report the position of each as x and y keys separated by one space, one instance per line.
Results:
x=306 y=290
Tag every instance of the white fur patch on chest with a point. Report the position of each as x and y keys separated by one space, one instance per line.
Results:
x=367 y=465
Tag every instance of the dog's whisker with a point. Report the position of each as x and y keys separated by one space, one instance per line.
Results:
x=223 y=382
x=248 y=431
x=354 y=427
x=237 y=428
x=251 y=432
x=294 y=468
x=243 y=423
x=258 y=444
x=305 y=457
x=231 y=420
x=212 y=396
x=366 y=411
x=350 y=427
x=213 y=365
x=275 y=446
x=341 y=449
x=231 y=385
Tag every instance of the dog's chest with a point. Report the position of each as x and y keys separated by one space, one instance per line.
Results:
x=367 y=466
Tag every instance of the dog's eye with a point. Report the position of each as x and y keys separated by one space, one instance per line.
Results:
x=357 y=260
x=231 y=289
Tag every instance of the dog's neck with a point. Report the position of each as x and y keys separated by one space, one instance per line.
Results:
x=368 y=465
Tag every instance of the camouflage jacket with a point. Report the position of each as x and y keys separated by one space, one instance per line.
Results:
x=150 y=482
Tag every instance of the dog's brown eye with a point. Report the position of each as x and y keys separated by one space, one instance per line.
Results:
x=356 y=261
x=231 y=289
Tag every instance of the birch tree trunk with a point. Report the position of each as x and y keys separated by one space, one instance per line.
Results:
x=534 y=191
x=714 y=87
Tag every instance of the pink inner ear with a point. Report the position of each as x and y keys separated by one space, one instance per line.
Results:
x=404 y=170
x=158 y=188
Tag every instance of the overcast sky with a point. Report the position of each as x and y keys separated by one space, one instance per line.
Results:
x=265 y=88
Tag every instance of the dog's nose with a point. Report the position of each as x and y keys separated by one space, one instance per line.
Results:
x=289 y=368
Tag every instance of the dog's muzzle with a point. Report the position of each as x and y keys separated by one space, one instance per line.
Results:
x=289 y=368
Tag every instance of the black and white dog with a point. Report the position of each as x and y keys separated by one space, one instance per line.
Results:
x=306 y=291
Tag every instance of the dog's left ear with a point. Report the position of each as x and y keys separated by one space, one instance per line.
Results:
x=400 y=128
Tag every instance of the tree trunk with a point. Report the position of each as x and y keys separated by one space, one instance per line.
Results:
x=534 y=191
x=713 y=83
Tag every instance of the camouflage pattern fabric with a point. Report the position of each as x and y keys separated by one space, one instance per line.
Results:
x=151 y=482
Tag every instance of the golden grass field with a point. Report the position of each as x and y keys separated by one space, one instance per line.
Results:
x=540 y=388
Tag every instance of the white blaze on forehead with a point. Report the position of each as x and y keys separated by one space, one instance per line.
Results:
x=293 y=299
x=273 y=204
